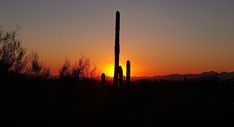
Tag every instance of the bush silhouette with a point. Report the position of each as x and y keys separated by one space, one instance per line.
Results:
x=65 y=69
x=46 y=73
x=81 y=68
x=36 y=66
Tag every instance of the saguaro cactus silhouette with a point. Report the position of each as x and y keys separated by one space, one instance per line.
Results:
x=120 y=72
x=128 y=72
x=117 y=49
x=103 y=78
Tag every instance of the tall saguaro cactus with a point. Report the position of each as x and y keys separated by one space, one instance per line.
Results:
x=117 y=49
x=128 y=72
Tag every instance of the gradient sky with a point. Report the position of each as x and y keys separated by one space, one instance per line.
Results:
x=158 y=36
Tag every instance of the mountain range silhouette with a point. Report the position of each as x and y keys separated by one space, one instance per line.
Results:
x=222 y=76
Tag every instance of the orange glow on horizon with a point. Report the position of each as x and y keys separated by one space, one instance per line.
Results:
x=136 y=70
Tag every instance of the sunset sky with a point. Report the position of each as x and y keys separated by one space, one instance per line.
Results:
x=158 y=36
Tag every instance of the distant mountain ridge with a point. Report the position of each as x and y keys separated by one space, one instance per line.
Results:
x=223 y=76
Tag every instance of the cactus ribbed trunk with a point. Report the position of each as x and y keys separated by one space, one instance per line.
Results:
x=128 y=72
x=120 y=71
x=117 y=49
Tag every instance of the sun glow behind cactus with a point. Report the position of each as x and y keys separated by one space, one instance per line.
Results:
x=109 y=69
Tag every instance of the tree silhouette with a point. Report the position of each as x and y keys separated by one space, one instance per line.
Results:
x=6 y=37
x=12 y=53
x=21 y=61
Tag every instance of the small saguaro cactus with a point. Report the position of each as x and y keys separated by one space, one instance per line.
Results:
x=120 y=72
x=128 y=72
x=103 y=78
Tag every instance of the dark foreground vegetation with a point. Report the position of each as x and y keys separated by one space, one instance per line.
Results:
x=67 y=102
x=31 y=96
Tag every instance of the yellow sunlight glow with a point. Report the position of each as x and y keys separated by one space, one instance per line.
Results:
x=109 y=70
